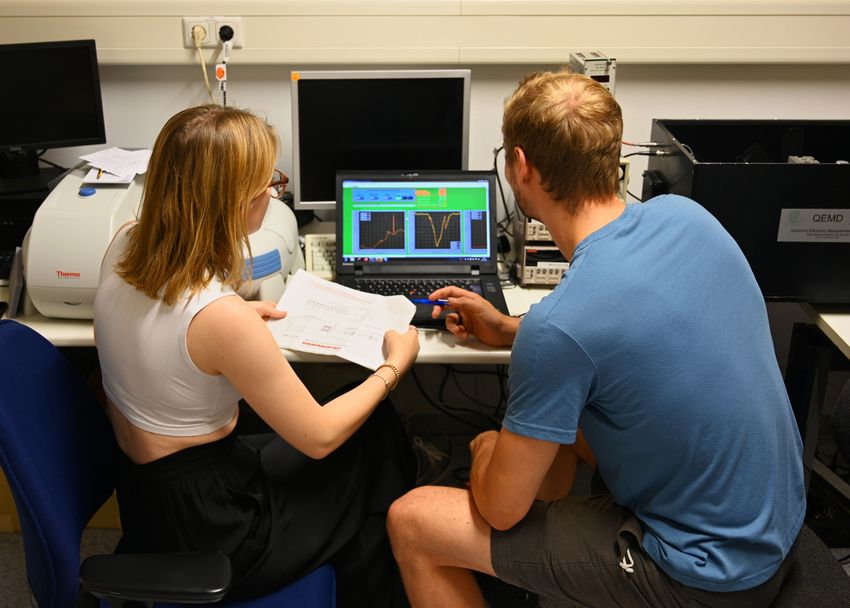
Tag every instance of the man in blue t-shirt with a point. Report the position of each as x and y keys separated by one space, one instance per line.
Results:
x=656 y=345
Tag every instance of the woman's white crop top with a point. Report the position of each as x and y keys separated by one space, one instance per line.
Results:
x=147 y=371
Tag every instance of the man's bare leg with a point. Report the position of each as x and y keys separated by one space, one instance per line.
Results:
x=438 y=538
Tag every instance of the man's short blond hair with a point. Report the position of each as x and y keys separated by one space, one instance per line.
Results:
x=570 y=128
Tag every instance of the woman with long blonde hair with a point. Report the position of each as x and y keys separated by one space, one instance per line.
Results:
x=179 y=348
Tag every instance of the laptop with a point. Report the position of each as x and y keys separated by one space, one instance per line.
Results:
x=411 y=233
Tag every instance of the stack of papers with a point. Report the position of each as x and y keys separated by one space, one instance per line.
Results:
x=116 y=166
x=327 y=318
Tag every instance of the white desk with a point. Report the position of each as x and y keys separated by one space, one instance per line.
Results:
x=809 y=363
x=436 y=346
x=834 y=321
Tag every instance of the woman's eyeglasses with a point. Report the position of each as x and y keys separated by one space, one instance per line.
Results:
x=278 y=185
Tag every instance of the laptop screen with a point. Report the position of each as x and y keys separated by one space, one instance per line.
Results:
x=416 y=218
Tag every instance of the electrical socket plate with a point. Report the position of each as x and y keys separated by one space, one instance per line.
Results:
x=211 y=25
x=206 y=23
x=236 y=24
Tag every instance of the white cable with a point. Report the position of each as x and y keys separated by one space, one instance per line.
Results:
x=198 y=34
x=627 y=562
x=643 y=144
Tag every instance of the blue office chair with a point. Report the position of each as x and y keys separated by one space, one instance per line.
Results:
x=57 y=451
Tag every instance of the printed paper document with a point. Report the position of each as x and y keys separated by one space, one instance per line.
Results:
x=99 y=176
x=327 y=318
x=119 y=162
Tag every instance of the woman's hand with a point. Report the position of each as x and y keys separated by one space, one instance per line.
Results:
x=472 y=315
x=266 y=310
x=402 y=349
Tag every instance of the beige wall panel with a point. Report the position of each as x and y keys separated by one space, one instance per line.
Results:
x=219 y=7
x=424 y=7
x=645 y=7
x=341 y=32
x=654 y=39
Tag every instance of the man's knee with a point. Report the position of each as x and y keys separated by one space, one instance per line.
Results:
x=403 y=514
x=408 y=518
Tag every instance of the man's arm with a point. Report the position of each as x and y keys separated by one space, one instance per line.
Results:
x=507 y=473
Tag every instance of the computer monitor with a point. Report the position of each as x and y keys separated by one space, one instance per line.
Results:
x=428 y=218
x=51 y=99
x=376 y=120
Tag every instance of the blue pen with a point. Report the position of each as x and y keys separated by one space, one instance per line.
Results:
x=427 y=301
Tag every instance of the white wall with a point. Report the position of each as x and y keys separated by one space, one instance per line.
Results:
x=138 y=99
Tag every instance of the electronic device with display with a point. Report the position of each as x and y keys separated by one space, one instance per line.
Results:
x=51 y=99
x=374 y=120
x=409 y=234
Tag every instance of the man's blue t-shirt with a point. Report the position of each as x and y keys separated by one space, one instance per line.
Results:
x=656 y=343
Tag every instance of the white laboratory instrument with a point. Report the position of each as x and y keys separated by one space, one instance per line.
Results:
x=74 y=225
x=69 y=235
x=276 y=254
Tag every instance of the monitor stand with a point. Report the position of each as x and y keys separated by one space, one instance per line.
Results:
x=33 y=183
x=20 y=173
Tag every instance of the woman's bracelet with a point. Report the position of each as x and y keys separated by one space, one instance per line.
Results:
x=386 y=384
x=395 y=371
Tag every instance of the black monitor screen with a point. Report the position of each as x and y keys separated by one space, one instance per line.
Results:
x=379 y=120
x=51 y=96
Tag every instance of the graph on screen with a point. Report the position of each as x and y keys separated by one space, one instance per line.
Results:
x=381 y=230
x=478 y=229
x=437 y=230
x=388 y=221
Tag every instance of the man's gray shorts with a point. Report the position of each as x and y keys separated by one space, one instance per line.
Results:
x=585 y=551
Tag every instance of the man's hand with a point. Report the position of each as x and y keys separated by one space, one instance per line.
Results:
x=266 y=310
x=480 y=452
x=472 y=315
x=481 y=446
x=506 y=473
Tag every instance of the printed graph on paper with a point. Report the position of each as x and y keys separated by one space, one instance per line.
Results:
x=437 y=230
x=381 y=229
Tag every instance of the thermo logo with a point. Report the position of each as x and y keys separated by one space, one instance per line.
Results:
x=61 y=274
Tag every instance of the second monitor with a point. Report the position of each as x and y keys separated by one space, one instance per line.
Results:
x=375 y=120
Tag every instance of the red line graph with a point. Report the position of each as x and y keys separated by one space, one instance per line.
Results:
x=390 y=231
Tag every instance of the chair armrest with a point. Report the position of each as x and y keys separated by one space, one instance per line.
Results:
x=157 y=577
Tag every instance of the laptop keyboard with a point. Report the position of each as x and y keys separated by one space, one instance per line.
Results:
x=412 y=288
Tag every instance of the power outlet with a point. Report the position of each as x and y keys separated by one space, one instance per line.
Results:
x=212 y=26
x=209 y=39
x=235 y=24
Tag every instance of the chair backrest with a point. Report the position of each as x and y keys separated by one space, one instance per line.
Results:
x=57 y=451
x=816 y=579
